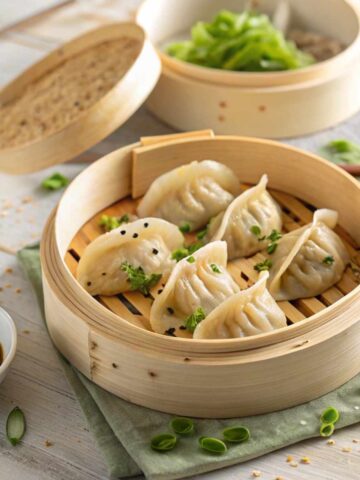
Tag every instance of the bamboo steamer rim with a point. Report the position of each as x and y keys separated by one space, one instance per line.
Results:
x=52 y=149
x=114 y=325
x=319 y=70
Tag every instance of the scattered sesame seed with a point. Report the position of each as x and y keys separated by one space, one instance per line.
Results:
x=159 y=291
x=305 y=460
x=331 y=442
x=8 y=270
x=88 y=284
x=8 y=285
x=19 y=210
x=146 y=225
x=186 y=359
x=4 y=213
x=293 y=464
x=170 y=310
x=1 y=289
x=346 y=449
x=48 y=443
x=355 y=440
x=154 y=251
x=182 y=327
x=279 y=478
x=123 y=232
x=18 y=290
x=103 y=274
x=289 y=458
x=27 y=199
x=114 y=365
x=135 y=235
x=256 y=473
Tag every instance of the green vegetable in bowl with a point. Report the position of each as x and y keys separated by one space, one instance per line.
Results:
x=243 y=42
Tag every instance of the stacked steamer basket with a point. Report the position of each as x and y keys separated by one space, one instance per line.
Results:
x=109 y=339
x=273 y=105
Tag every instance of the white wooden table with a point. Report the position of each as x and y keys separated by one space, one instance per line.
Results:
x=58 y=445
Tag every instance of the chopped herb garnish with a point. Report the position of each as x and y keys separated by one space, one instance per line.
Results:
x=262 y=266
x=185 y=228
x=15 y=426
x=110 y=223
x=179 y=254
x=271 y=248
x=329 y=260
x=274 y=236
x=163 y=442
x=55 y=182
x=342 y=151
x=193 y=247
x=202 y=234
x=170 y=332
x=255 y=230
x=194 y=319
x=236 y=434
x=215 y=268
x=139 y=280
x=212 y=445
x=182 y=425
x=191 y=259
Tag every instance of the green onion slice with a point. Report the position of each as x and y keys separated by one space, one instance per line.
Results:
x=182 y=425
x=212 y=445
x=327 y=429
x=330 y=416
x=236 y=434
x=15 y=426
x=163 y=442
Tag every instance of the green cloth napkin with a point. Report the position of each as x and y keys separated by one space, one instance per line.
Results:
x=123 y=430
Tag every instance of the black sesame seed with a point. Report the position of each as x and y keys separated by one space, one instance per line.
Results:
x=114 y=365
x=170 y=332
x=103 y=274
x=182 y=327
x=159 y=291
x=155 y=252
x=123 y=232
x=88 y=284
x=146 y=225
x=135 y=235
x=170 y=310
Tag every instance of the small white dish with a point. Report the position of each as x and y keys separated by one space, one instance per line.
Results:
x=8 y=341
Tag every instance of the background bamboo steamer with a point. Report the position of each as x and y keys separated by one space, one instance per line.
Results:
x=273 y=105
x=187 y=377
x=94 y=123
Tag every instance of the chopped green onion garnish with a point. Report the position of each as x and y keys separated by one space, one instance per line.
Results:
x=215 y=268
x=179 y=254
x=15 y=426
x=271 y=248
x=329 y=260
x=191 y=259
x=185 y=228
x=202 y=234
x=193 y=247
x=236 y=434
x=212 y=445
x=262 y=266
x=274 y=236
x=194 y=319
x=327 y=429
x=163 y=442
x=139 y=280
x=256 y=230
x=330 y=415
x=342 y=151
x=182 y=425
x=110 y=223
x=55 y=182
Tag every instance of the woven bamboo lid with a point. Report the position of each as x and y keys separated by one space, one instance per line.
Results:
x=74 y=97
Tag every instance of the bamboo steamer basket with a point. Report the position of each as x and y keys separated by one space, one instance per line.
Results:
x=273 y=105
x=113 y=346
x=94 y=123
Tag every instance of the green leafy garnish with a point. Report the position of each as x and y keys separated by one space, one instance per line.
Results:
x=255 y=230
x=342 y=151
x=191 y=259
x=163 y=442
x=212 y=445
x=55 y=182
x=194 y=319
x=326 y=429
x=139 y=280
x=329 y=260
x=202 y=234
x=185 y=228
x=110 y=223
x=243 y=42
x=262 y=266
x=179 y=254
x=271 y=248
x=215 y=268
x=330 y=415
x=274 y=236
x=15 y=426
x=193 y=247
x=236 y=434
x=182 y=425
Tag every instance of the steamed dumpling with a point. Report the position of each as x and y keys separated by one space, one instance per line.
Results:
x=253 y=208
x=145 y=243
x=308 y=260
x=249 y=312
x=191 y=194
x=200 y=280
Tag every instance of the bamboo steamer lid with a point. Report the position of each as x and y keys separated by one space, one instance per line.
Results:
x=80 y=99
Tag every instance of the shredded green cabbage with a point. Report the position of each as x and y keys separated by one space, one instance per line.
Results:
x=243 y=42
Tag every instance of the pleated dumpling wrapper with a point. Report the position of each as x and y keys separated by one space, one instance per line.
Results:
x=200 y=280
x=249 y=312
x=247 y=221
x=308 y=260
x=142 y=248
x=191 y=194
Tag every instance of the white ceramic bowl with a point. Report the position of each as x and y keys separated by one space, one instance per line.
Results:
x=8 y=341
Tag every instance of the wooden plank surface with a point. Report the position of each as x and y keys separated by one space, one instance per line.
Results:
x=36 y=381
